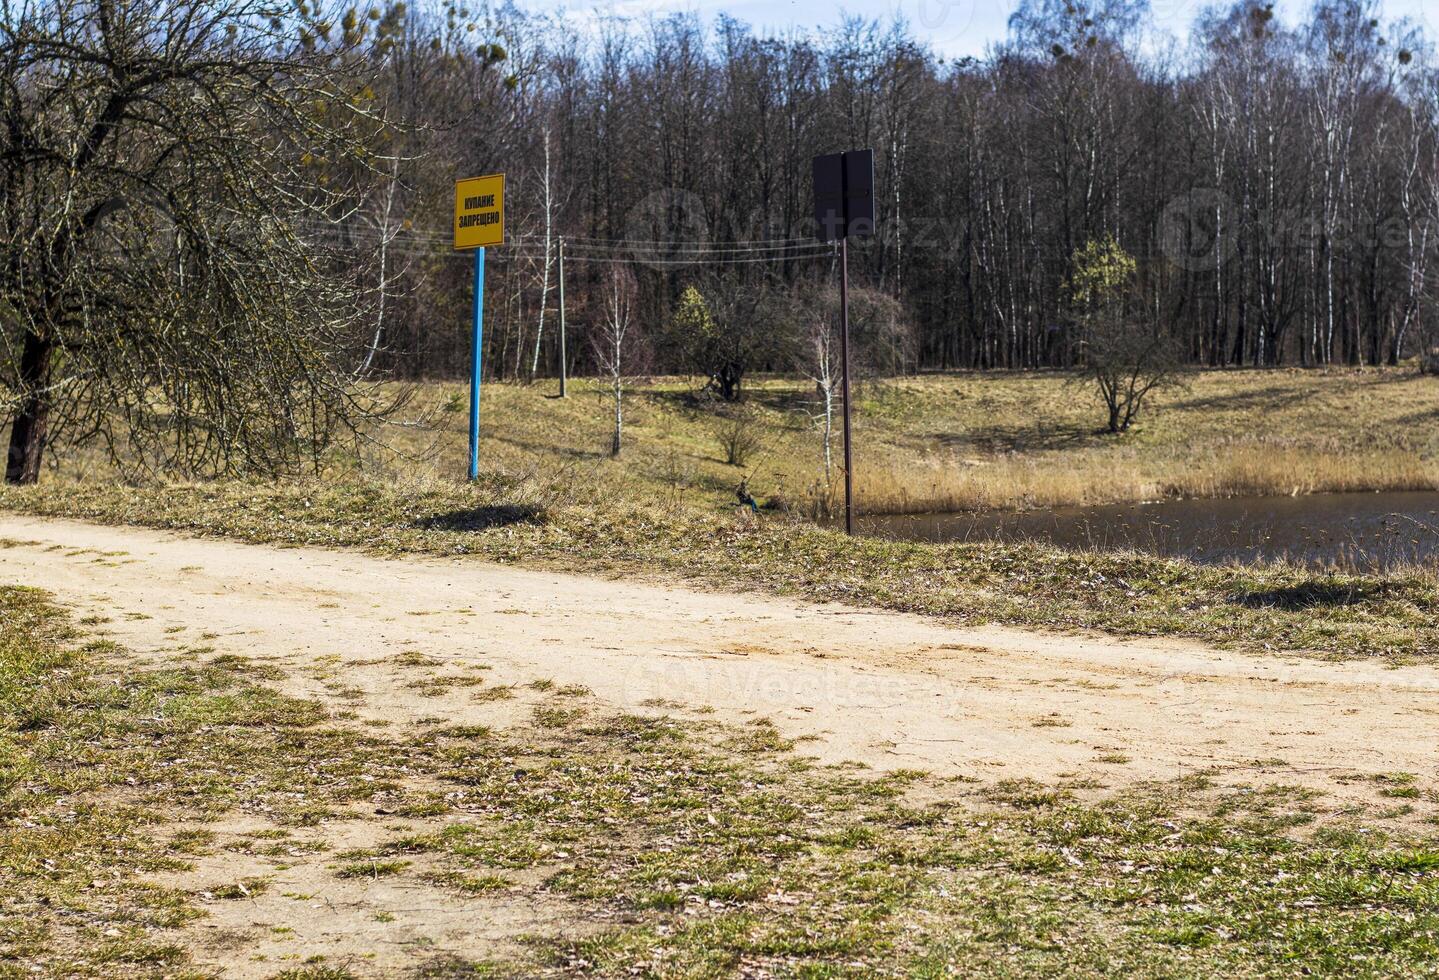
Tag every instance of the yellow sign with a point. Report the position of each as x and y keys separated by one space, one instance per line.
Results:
x=480 y=211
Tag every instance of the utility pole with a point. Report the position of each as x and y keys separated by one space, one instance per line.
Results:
x=844 y=382
x=564 y=357
x=844 y=206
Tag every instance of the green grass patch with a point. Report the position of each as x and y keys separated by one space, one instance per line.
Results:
x=709 y=850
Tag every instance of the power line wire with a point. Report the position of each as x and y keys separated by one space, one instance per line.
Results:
x=637 y=244
x=667 y=241
x=617 y=251
x=613 y=260
x=690 y=250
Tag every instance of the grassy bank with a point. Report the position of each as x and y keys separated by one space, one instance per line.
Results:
x=580 y=521
x=990 y=441
x=550 y=495
x=945 y=443
x=978 y=443
x=143 y=802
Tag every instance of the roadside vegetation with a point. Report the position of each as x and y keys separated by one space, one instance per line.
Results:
x=550 y=494
x=938 y=443
x=163 y=815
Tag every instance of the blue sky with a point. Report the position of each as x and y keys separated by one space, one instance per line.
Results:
x=953 y=27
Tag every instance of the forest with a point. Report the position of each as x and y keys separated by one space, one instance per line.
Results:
x=1277 y=183
x=225 y=225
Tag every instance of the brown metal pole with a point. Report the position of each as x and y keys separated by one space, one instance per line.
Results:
x=844 y=382
x=564 y=354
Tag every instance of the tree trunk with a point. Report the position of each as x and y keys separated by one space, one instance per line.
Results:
x=616 y=443
x=387 y=235
x=545 y=274
x=728 y=379
x=27 y=435
x=1114 y=415
x=828 y=390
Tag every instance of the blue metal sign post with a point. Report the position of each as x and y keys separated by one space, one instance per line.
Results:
x=477 y=351
x=479 y=221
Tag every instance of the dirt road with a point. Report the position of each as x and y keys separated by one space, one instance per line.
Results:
x=890 y=690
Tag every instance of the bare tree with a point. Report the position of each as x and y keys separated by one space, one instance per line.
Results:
x=1129 y=359
x=615 y=341
x=1289 y=127
x=823 y=367
x=1295 y=128
x=881 y=343
x=387 y=226
x=1341 y=40
x=1128 y=356
x=881 y=333
x=547 y=211
x=171 y=285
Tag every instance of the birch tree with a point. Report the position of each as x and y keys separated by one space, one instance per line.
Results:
x=823 y=368
x=387 y=225
x=615 y=339
x=547 y=217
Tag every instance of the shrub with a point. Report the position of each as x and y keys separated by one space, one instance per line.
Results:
x=739 y=436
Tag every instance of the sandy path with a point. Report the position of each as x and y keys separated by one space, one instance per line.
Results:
x=888 y=689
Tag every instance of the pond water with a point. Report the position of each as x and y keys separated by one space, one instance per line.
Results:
x=1362 y=531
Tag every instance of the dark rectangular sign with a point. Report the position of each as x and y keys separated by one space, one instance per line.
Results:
x=844 y=194
x=829 y=196
x=859 y=192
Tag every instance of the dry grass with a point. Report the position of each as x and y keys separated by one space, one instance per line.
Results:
x=1259 y=470
x=1250 y=469
x=935 y=485
x=959 y=442
x=550 y=495
x=973 y=442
